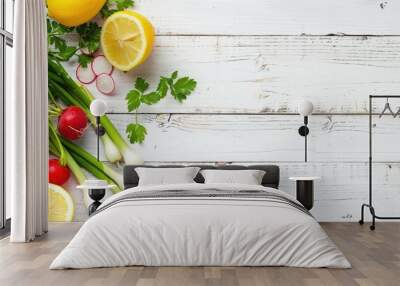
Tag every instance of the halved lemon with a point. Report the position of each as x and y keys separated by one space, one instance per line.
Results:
x=127 y=39
x=61 y=206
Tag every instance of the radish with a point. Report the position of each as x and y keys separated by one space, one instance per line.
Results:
x=105 y=84
x=101 y=65
x=58 y=174
x=85 y=75
x=72 y=122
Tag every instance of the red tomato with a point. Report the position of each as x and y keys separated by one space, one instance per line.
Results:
x=58 y=174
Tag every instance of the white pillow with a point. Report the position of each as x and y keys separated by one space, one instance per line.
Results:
x=248 y=177
x=166 y=176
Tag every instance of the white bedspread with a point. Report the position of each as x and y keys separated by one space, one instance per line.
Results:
x=200 y=231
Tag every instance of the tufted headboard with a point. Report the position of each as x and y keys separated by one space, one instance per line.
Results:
x=271 y=177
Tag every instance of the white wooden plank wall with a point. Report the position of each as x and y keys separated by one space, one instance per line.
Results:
x=263 y=56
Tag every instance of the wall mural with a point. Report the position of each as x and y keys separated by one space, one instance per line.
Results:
x=93 y=44
x=253 y=63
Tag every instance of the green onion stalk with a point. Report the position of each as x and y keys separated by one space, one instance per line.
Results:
x=57 y=149
x=91 y=164
x=61 y=79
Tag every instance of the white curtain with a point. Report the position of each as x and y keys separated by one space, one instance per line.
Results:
x=26 y=120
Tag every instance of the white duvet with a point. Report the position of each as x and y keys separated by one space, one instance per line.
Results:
x=200 y=231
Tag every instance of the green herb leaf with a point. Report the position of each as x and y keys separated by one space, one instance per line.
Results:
x=162 y=87
x=67 y=53
x=89 y=36
x=141 y=84
x=57 y=45
x=182 y=88
x=123 y=4
x=133 y=99
x=56 y=29
x=136 y=133
x=113 y=6
x=151 y=98
x=174 y=75
x=84 y=60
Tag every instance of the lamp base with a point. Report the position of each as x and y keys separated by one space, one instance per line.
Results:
x=303 y=130
x=96 y=195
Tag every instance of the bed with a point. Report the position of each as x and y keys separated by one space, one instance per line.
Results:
x=197 y=224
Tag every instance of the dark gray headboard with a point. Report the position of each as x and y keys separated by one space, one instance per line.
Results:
x=271 y=178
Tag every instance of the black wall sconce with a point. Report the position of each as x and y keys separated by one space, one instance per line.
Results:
x=98 y=108
x=305 y=108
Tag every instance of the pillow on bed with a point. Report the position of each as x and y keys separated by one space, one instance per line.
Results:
x=166 y=176
x=248 y=177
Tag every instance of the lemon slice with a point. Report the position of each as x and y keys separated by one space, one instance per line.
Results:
x=61 y=205
x=127 y=39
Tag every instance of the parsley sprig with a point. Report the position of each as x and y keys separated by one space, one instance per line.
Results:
x=89 y=40
x=60 y=49
x=180 y=89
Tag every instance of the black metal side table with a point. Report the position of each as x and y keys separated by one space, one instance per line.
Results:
x=96 y=193
x=305 y=190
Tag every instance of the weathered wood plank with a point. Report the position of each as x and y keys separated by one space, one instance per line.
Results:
x=253 y=138
x=269 y=74
x=272 y=17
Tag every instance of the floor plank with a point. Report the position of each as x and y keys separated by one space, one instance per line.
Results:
x=375 y=257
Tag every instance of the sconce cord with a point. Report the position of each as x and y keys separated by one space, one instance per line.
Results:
x=305 y=137
x=98 y=136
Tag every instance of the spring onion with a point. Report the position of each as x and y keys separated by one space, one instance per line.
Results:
x=110 y=150
x=81 y=155
x=56 y=150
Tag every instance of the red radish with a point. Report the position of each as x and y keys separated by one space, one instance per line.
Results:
x=72 y=122
x=85 y=75
x=101 y=65
x=105 y=84
x=58 y=174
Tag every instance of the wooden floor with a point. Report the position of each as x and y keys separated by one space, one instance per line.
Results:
x=375 y=257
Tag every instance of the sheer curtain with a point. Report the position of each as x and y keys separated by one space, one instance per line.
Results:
x=26 y=119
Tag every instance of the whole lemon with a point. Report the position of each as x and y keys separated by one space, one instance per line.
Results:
x=73 y=13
